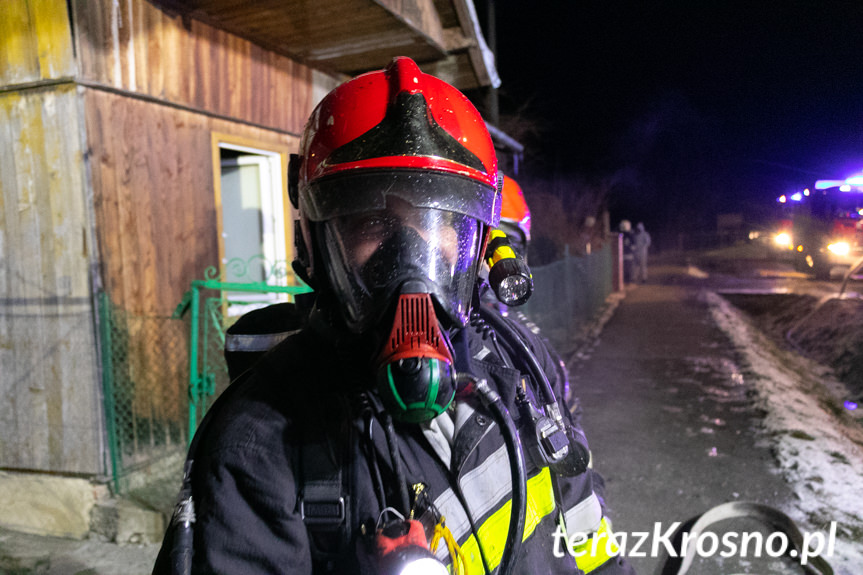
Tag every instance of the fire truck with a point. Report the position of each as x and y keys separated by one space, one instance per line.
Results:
x=823 y=226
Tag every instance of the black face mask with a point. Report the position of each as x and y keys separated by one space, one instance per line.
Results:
x=371 y=256
x=404 y=257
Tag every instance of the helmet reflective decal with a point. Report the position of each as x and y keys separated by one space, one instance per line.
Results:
x=408 y=129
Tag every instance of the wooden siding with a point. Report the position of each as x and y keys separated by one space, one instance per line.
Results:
x=135 y=46
x=49 y=416
x=106 y=165
x=348 y=36
x=35 y=41
x=152 y=177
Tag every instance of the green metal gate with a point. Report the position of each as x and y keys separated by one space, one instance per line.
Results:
x=205 y=302
x=161 y=373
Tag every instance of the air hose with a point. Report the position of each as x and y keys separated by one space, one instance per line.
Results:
x=512 y=337
x=468 y=386
x=577 y=459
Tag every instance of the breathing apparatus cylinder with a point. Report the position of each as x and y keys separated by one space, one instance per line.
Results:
x=415 y=377
x=508 y=275
x=182 y=523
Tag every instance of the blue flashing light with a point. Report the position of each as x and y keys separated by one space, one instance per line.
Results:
x=855 y=180
x=824 y=184
x=797 y=197
x=845 y=188
x=850 y=405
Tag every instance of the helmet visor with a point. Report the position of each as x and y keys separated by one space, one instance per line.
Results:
x=370 y=190
x=371 y=255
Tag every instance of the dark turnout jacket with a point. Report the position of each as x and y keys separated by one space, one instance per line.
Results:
x=299 y=414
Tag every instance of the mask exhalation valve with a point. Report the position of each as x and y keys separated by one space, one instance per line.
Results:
x=415 y=376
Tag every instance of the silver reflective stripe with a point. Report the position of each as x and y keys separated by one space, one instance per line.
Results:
x=482 y=353
x=439 y=432
x=463 y=413
x=584 y=517
x=255 y=341
x=485 y=486
x=483 y=489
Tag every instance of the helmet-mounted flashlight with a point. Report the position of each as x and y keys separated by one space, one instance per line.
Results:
x=508 y=276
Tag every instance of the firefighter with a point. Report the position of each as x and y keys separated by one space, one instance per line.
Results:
x=515 y=221
x=515 y=218
x=388 y=429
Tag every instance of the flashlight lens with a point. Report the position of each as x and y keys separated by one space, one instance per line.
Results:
x=514 y=289
x=425 y=566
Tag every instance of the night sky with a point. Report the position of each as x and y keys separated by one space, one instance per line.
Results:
x=693 y=107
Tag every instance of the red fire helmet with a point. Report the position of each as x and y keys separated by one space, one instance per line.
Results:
x=398 y=134
x=514 y=208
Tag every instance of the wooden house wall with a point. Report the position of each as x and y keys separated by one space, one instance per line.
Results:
x=136 y=47
x=50 y=414
x=158 y=86
x=35 y=42
x=106 y=164
x=152 y=175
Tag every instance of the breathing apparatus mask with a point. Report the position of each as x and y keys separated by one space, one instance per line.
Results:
x=405 y=274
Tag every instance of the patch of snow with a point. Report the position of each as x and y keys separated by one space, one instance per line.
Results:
x=818 y=451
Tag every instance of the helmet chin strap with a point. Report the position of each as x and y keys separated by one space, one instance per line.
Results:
x=414 y=370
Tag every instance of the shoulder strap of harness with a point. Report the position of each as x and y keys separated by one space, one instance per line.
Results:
x=324 y=493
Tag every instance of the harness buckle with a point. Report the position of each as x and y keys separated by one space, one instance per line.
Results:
x=323 y=511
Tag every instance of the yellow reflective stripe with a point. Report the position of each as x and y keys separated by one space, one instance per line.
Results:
x=496 y=233
x=492 y=533
x=597 y=550
x=502 y=252
x=473 y=561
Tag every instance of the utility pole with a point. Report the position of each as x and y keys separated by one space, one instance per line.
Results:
x=491 y=103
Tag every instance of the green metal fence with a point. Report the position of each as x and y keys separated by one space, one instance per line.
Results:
x=144 y=370
x=161 y=373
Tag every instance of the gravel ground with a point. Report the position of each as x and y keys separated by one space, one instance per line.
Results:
x=22 y=554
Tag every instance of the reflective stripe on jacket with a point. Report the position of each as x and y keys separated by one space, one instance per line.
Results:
x=247 y=485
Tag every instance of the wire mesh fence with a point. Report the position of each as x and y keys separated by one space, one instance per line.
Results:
x=145 y=379
x=569 y=293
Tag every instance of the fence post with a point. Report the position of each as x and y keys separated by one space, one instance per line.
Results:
x=194 y=391
x=617 y=260
x=105 y=323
